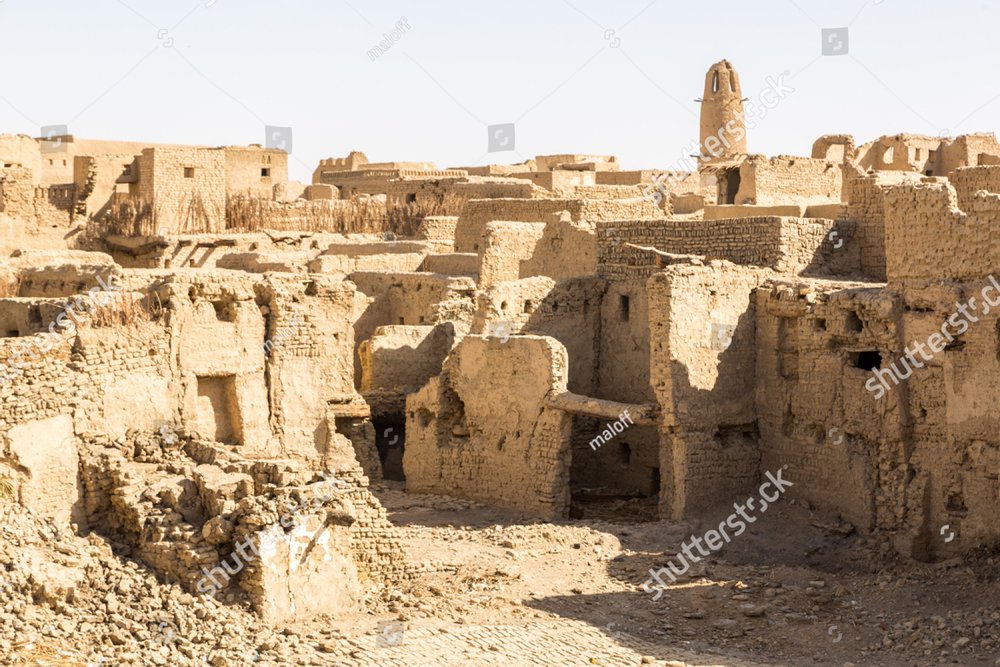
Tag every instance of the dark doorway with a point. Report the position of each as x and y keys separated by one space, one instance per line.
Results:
x=614 y=471
x=390 y=437
x=729 y=185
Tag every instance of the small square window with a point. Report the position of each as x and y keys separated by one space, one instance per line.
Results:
x=188 y=172
x=265 y=172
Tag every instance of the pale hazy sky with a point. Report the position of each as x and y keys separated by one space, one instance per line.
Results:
x=582 y=76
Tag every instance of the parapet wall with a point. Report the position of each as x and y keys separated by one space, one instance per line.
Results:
x=478 y=212
x=788 y=245
x=788 y=180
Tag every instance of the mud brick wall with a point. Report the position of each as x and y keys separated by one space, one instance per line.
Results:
x=97 y=177
x=458 y=443
x=481 y=188
x=790 y=245
x=608 y=191
x=921 y=456
x=568 y=310
x=702 y=357
x=183 y=203
x=478 y=212
x=17 y=193
x=970 y=180
x=674 y=181
x=504 y=247
x=968 y=150
x=310 y=359
x=928 y=238
x=566 y=249
x=437 y=228
x=814 y=413
x=21 y=151
x=954 y=447
x=45 y=385
x=409 y=298
x=785 y=180
x=244 y=173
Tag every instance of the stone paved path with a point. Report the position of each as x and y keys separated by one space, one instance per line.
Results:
x=548 y=643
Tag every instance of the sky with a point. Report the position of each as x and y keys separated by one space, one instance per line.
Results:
x=584 y=76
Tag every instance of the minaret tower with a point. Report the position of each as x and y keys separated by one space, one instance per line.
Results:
x=723 y=126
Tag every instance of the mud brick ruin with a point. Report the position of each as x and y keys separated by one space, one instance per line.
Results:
x=194 y=346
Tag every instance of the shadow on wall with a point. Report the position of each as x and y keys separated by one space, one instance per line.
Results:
x=715 y=454
x=837 y=254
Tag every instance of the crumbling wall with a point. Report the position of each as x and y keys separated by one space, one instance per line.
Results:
x=437 y=228
x=702 y=356
x=458 y=443
x=834 y=148
x=98 y=178
x=566 y=249
x=409 y=299
x=967 y=181
x=568 y=311
x=19 y=151
x=814 y=413
x=399 y=360
x=967 y=150
x=928 y=238
x=308 y=348
x=866 y=209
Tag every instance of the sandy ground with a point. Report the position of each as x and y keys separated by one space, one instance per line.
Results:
x=797 y=588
